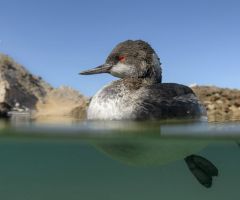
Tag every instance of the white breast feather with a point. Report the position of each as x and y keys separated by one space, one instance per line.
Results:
x=111 y=108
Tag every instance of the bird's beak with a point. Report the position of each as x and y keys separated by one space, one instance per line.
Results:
x=105 y=68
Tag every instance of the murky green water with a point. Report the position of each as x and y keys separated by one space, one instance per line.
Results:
x=116 y=160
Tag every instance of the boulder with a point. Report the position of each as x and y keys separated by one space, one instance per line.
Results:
x=19 y=89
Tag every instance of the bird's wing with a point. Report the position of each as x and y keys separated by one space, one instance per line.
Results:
x=169 y=100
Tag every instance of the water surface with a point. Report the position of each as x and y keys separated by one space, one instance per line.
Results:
x=70 y=159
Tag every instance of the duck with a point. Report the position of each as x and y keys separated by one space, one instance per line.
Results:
x=139 y=93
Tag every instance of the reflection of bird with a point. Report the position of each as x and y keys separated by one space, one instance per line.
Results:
x=161 y=152
x=139 y=94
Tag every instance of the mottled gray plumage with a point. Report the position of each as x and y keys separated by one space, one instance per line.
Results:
x=138 y=54
x=139 y=94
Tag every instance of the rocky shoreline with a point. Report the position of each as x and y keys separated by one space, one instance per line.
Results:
x=22 y=92
x=19 y=89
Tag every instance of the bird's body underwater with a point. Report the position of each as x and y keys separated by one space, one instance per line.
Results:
x=139 y=94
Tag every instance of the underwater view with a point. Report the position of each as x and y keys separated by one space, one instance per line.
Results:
x=119 y=159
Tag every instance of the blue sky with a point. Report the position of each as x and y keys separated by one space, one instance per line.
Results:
x=198 y=41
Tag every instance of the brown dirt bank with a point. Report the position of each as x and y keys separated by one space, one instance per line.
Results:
x=221 y=103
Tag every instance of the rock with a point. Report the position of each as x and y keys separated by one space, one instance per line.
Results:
x=4 y=108
x=62 y=101
x=19 y=87
x=22 y=92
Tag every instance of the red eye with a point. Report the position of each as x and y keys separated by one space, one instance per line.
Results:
x=121 y=58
